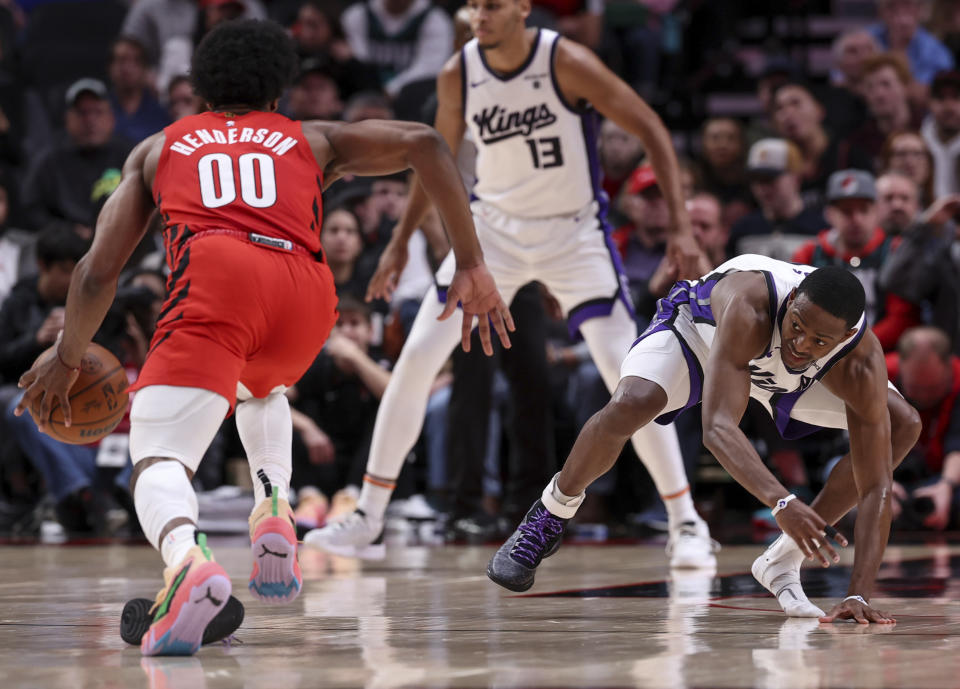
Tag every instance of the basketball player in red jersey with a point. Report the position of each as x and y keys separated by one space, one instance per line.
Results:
x=250 y=302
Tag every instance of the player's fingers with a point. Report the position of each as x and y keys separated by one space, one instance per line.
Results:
x=466 y=327
x=451 y=305
x=827 y=619
x=27 y=378
x=831 y=553
x=45 y=404
x=860 y=618
x=65 y=406
x=838 y=538
x=483 y=326
x=501 y=327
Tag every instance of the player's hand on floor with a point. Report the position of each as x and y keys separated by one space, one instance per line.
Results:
x=391 y=264
x=48 y=380
x=808 y=529
x=476 y=291
x=852 y=609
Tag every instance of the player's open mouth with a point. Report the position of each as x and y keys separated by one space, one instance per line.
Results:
x=792 y=359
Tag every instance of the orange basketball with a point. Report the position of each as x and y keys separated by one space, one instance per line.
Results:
x=98 y=400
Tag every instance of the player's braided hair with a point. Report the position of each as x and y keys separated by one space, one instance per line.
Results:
x=837 y=291
x=244 y=62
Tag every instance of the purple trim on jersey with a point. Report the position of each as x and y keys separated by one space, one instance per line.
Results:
x=588 y=124
x=597 y=308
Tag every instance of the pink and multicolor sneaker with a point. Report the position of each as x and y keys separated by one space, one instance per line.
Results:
x=276 y=576
x=195 y=591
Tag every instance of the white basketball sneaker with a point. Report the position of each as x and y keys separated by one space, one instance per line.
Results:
x=357 y=535
x=778 y=571
x=689 y=546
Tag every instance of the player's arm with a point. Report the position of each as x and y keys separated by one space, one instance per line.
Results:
x=740 y=305
x=93 y=285
x=378 y=147
x=450 y=125
x=860 y=380
x=583 y=77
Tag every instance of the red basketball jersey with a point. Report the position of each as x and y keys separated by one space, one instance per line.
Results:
x=253 y=173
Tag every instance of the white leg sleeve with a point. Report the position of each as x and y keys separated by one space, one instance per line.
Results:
x=266 y=432
x=609 y=340
x=162 y=493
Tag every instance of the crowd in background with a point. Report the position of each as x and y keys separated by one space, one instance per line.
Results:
x=836 y=143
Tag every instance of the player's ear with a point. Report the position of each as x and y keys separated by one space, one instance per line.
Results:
x=847 y=335
x=274 y=105
x=793 y=295
x=524 y=7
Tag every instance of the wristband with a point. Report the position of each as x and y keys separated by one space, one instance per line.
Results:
x=64 y=363
x=781 y=503
x=859 y=599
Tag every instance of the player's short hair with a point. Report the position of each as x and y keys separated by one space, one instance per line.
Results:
x=837 y=291
x=244 y=62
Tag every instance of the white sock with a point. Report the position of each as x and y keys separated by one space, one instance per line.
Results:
x=163 y=493
x=559 y=504
x=266 y=432
x=177 y=543
x=374 y=497
x=781 y=576
x=680 y=508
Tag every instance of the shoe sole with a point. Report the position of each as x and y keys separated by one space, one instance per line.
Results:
x=510 y=586
x=198 y=606
x=274 y=578
x=136 y=619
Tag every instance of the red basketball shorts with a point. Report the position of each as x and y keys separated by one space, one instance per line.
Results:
x=239 y=312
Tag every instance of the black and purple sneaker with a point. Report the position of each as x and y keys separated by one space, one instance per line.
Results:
x=514 y=565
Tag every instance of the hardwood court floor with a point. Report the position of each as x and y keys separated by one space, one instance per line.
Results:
x=428 y=617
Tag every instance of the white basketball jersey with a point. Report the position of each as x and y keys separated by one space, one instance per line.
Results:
x=536 y=153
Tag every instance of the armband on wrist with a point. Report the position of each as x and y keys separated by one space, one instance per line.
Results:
x=859 y=599
x=781 y=503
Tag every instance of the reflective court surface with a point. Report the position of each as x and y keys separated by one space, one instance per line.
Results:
x=598 y=616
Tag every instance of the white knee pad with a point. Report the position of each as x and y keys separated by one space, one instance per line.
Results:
x=175 y=423
x=266 y=432
x=163 y=492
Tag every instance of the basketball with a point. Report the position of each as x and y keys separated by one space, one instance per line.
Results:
x=98 y=399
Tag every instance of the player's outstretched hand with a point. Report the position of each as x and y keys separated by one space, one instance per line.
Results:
x=391 y=264
x=689 y=259
x=852 y=609
x=48 y=380
x=476 y=291
x=808 y=529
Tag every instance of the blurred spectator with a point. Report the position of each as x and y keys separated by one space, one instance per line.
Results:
x=898 y=203
x=708 y=228
x=580 y=20
x=784 y=221
x=32 y=315
x=137 y=112
x=941 y=131
x=907 y=153
x=777 y=71
x=900 y=32
x=850 y=50
x=71 y=180
x=367 y=105
x=315 y=94
x=17 y=247
x=928 y=479
x=798 y=116
x=945 y=24
x=642 y=241
x=925 y=268
x=407 y=40
x=620 y=153
x=166 y=29
x=856 y=242
x=335 y=404
x=342 y=243
x=181 y=99
x=886 y=82
x=722 y=170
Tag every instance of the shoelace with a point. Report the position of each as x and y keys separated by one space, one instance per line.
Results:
x=534 y=536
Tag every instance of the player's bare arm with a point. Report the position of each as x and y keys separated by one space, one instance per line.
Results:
x=860 y=380
x=376 y=147
x=583 y=77
x=741 y=308
x=450 y=124
x=120 y=227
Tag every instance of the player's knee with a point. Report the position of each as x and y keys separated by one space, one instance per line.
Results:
x=905 y=429
x=634 y=404
x=142 y=465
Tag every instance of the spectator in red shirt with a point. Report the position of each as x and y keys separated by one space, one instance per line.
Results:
x=928 y=479
x=856 y=241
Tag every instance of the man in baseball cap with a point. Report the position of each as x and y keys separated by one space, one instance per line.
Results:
x=856 y=241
